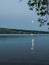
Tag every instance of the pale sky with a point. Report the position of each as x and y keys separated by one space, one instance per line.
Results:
x=16 y=14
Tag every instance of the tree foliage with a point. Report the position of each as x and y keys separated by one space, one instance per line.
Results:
x=42 y=8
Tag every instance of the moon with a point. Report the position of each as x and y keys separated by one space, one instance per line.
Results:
x=32 y=21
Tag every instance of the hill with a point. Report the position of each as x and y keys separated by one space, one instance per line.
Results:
x=20 y=31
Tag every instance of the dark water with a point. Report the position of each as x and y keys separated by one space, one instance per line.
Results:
x=24 y=49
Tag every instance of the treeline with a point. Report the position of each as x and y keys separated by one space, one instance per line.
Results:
x=20 y=31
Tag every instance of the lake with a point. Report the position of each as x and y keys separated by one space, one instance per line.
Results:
x=24 y=49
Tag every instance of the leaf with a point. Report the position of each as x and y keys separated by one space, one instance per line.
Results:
x=48 y=23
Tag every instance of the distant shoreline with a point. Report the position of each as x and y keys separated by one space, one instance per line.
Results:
x=20 y=31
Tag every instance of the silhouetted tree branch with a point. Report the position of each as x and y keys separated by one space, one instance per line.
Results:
x=42 y=8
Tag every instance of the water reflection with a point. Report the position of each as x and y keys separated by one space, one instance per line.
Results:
x=25 y=50
x=32 y=48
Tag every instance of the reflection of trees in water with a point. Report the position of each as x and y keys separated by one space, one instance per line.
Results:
x=32 y=48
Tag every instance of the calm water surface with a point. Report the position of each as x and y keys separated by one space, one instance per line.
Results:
x=24 y=49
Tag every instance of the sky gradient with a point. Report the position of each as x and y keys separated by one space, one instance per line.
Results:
x=16 y=14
